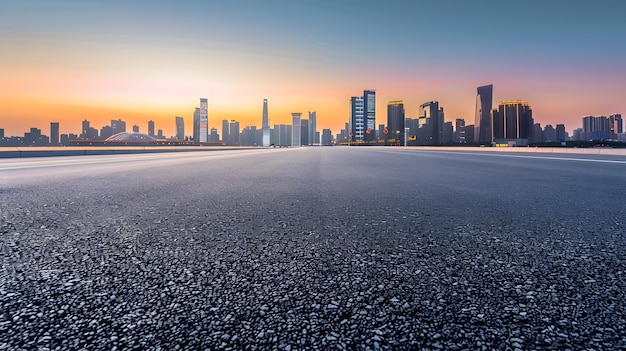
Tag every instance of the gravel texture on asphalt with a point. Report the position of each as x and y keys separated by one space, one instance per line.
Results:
x=315 y=249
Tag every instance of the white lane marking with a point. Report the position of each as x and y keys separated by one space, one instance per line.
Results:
x=125 y=158
x=509 y=155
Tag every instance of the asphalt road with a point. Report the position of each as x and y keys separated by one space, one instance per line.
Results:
x=313 y=248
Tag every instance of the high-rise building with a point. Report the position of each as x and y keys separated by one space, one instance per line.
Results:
x=369 y=105
x=447 y=134
x=214 y=137
x=429 y=121
x=327 y=137
x=118 y=126
x=615 y=125
x=196 y=126
x=363 y=116
x=313 y=128
x=596 y=128
x=1 y=133
x=225 y=132
x=295 y=129
x=537 y=133
x=549 y=134
x=357 y=119
x=304 y=131
x=151 y=128
x=395 y=119
x=180 y=128
x=204 y=120
x=512 y=120
x=459 y=131
x=105 y=132
x=561 y=134
x=482 y=122
x=233 y=133
x=54 y=133
x=135 y=128
x=89 y=132
x=265 y=125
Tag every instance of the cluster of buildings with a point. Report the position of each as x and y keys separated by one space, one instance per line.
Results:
x=511 y=123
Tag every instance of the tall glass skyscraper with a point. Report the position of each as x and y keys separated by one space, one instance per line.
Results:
x=296 y=129
x=204 y=120
x=363 y=116
x=265 y=125
x=369 y=105
x=313 y=128
x=180 y=128
x=482 y=123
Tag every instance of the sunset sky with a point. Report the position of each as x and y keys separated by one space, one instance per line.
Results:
x=138 y=60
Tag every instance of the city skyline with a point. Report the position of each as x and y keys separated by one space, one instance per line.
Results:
x=70 y=60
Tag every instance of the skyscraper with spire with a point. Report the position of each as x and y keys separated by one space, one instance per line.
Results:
x=265 y=126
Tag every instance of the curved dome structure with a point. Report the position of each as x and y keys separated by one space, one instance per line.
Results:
x=127 y=136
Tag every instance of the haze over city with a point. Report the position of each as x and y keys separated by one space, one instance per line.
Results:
x=66 y=61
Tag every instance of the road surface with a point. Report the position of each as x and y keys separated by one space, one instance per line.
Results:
x=313 y=248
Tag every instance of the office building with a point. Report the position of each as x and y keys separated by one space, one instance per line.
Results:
x=196 y=126
x=233 y=133
x=537 y=133
x=304 y=131
x=313 y=135
x=1 y=133
x=54 y=133
x=151 y=128
x=615 y=125
x=327 y=137
x=265 y=125
x=596 y=128
x=225 y=132
x=459 y=131
x=561 y=134
x=482 y=122
x=447 y=134
x=135 y=128
x=363 y=116
x=88 y=132
x=357 y=119
x=204 y=120
x=295 y=129
x=369 y=106
x=429 y=120
x=214 y=137
x=512 y=120
x=180 y=128
x=549 y=134
x=105 y=132
x=395 y=119
x=118 y=126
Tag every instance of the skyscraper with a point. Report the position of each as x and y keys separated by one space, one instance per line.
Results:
x=357 y=118
x=429 y=121
x=513 y=120
x=327 y=137
x=135 y=128
x=313 y=128
x=54 y=133
x=369 y=105
x=204 y=120
x=295 y=129
x=482 y=123
x=265 y=126
x=180 y=128
x=233 y=134
x=304 y=131
x=615 y=125
x=225 y=132
x=196 y=126
x=395 y=119
x=151 y=128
